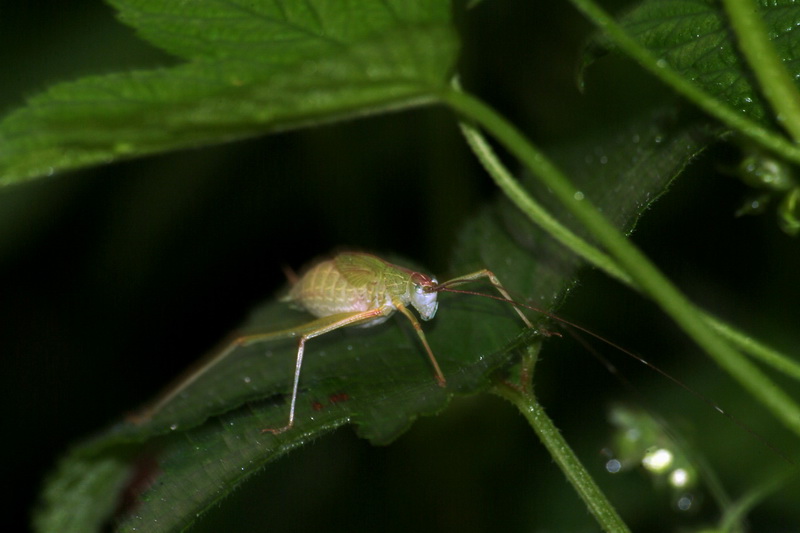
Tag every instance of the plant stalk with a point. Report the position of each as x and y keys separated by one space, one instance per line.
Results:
x=597 y=503
x=596 y=257
x=628 y=257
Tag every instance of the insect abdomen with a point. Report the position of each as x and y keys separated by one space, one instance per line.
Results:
x=323 y=291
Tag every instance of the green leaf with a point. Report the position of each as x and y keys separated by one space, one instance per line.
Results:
x=208 y=439
x=80 y=480
x=254 y=70
x=274 y=31
x=693 y=38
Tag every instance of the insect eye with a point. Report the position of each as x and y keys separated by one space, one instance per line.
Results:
x=423 y=284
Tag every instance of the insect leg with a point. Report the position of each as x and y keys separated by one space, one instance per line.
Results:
x=304 y=331
x=326 y=325
x=485 y=273
x=418 y=328
x=185 y=380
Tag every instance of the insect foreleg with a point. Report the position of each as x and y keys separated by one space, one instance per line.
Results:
x=485 y=273
x=418 y=328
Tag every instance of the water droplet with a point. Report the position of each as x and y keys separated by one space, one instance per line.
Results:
x=173 y=427
x=247 y=379
x=662 y=63
x=685 y=502
x=578 y=196
x=679 y=477
x=613 y=466
x=603 y=160
x=658 y=460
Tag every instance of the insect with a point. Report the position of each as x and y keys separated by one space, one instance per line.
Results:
x=360 y=289
x=350 y=289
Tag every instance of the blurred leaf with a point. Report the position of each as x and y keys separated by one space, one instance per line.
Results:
x=693 y=37
x=80 y=480
x=208 y=440
x=256 y=67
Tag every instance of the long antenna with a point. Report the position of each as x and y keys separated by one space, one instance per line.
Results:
x=444 y=288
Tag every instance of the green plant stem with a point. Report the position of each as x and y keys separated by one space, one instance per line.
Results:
x=775 y=81
x=538 y=214
x=763 y=353
x=685 y=87
x=562 y=454
x=736 y=513
x=628 y=257
x=594 y=256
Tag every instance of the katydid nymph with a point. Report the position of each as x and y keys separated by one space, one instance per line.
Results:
x=361 y=289
x=350 y=289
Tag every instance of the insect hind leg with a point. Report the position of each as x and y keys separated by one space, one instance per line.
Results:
x=322 y=326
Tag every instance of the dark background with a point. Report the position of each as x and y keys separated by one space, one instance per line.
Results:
x=116 y=278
